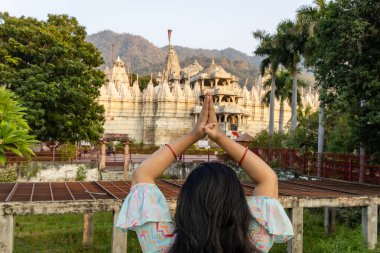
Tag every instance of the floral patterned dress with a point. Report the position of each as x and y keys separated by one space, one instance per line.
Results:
x=146 y=211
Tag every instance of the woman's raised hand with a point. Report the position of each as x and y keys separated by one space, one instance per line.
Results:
x=198 y=130
x=212 y=126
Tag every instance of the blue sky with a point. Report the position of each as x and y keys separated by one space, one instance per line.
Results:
x=209 y=24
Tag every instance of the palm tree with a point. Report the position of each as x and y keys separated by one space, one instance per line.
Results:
x=272 y=54
x=283 y=93
x=14 y=130
x=307 y=20
x=292 y=41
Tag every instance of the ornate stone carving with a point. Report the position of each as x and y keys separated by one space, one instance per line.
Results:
x=163 y=112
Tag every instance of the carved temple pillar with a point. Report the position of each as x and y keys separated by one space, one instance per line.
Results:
x=103 y=156
x=126 y=160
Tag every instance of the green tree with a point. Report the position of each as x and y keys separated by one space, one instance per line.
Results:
x=263 y=140
x=143 y=81
x=14 y=130
x=339 y=135
x=307 y=20
x=283 y=93
x=346 y=62
x=273 y=56
x=306 y=133
x=53 y=70
x=292 y=39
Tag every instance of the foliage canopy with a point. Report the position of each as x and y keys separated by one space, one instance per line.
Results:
x=53 y=70
x=345 y=58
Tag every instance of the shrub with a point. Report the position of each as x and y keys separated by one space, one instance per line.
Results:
x=264 y=140
x=68 y=152
x=8 y=175
x=28 y=170
x=81 y=174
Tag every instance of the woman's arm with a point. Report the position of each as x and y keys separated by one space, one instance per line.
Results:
x=261 y=174
x=157 y=163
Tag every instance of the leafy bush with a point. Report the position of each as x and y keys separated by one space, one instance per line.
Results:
x=81 y=174
x=264 y=140
x=8 y=175
x=306 y=134
x=28 y=170
x=68 y=152
x=339 y=135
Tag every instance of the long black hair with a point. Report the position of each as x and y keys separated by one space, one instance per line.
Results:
x=212 y=213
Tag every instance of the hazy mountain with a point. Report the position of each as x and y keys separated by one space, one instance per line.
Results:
x=146 y=58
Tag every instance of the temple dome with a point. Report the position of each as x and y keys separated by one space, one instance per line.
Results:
x=191 y=70
x=214 y=71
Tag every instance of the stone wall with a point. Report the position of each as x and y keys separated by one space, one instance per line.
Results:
x=59 y=171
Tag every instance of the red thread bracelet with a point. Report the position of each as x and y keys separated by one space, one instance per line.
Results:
x=175 y=156
x=241 y=160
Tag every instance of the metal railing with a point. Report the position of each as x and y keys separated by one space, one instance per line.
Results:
x=334 y=165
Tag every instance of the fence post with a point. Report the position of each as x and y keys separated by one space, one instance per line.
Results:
x=369 y=224
x=119 y=238
x=304 y=162
x=286 y=158
x=6 y=233
x=88 y=228
x=295 y=245
x=350 y=169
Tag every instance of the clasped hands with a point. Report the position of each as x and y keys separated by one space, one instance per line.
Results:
x=207 y=123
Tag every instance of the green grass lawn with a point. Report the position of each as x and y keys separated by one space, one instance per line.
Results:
x=63 y=234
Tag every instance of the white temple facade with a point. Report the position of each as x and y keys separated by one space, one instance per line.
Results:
x=164 y=112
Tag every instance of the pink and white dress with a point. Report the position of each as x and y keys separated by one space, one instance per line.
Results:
x=146 y=211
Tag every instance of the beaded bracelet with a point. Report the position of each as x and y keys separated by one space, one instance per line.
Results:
x=175 y=156
x=241 y=160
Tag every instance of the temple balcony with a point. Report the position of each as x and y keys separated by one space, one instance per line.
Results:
x=229 y=108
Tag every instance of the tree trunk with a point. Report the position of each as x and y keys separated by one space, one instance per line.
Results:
x=321 y=140
x=281 y=118
x=271 y=105
x=362 y=156
x=294 y=100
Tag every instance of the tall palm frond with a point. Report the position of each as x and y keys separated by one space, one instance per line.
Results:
x=264 y=65
x=283 y=88
x=10 y=111
x=273 y=54
x=16 y=140
x=14 y=130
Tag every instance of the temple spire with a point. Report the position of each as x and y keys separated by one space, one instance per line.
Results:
x=169 y=37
